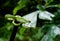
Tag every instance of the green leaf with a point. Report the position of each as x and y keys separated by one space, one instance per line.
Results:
x=38 y=35
x=8 y=25
x=1 y=39
x=58 y=5
x=30 y=39
x=40 y=7
x=21 y=37
x=51 y=34
x=21 y=4
x=6 y=4
x=22 y=30
x=48 y=2
x=51 y=6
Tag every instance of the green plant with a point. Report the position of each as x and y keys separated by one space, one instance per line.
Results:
x=37 y=20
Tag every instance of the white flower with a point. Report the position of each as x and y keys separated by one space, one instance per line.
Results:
x=45 y=15
x=31 y=17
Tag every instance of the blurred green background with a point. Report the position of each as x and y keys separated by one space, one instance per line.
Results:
x=40 y=29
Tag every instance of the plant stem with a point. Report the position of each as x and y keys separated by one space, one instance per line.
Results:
x=13 y=33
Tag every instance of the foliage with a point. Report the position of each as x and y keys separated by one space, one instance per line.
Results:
x=38 y=20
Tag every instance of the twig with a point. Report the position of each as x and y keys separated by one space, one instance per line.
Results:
x=13 y=33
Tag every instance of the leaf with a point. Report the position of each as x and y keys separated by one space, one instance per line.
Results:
x=48 y=2
x=22 y=30
x=45 y=15
x=58 y=5
x=30 y=39
x=51 y=6
x=40 y=7
x=6 y=4
x=1 y=39
x=8 y=25
x=32 y=17
x=47 y=38
x=21 y=4
x=21 y=37
x=51 y=34
x=38 y=35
